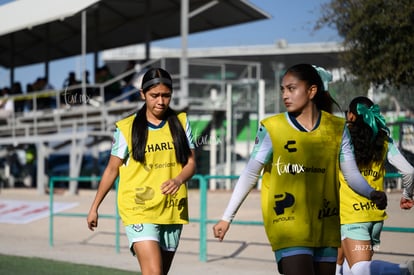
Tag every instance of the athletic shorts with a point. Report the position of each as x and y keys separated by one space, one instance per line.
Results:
x=167 y=235
x=363 y=231
x=319 y=254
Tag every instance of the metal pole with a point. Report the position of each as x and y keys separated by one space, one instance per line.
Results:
x=51 y=191
x=203 y=217
x=117 y=220
x=84 y=68
x=84 y=55
x=184 y=54
x=261 y=107
x=213 y=141
x=147 y=29
x=41 y=154
x=229 y=127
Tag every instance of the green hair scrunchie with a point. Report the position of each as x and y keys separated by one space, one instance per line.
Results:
x=372 y=117
x=324 y=75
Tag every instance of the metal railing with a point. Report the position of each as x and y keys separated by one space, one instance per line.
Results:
x=203 y=215
x=115 y=216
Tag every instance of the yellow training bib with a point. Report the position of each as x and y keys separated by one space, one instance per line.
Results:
x=300 y=188
x=139 y=193
x=356 y=208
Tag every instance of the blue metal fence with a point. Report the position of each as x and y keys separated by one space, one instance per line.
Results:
x=115 y=216
x=202 y=220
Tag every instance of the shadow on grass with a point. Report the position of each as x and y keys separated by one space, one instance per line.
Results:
x=37 y=266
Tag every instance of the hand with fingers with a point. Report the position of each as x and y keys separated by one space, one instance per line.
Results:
x=171 y=186
x=406 y=203
x=220 y=229
x=92 y=220
x=379 y=198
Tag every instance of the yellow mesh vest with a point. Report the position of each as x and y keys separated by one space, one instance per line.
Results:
x=356 y=208
x=300 y=188
x=139 y=193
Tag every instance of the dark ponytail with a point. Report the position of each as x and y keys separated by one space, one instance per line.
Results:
x=182 y=148
x=367 y=147
x=139 y=135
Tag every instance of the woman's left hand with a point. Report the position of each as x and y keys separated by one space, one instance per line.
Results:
x=171 y=186
x=406 y=203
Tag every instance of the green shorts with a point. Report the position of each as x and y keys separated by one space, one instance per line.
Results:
x=167 y=235
x=363 y=231
x=319 y=254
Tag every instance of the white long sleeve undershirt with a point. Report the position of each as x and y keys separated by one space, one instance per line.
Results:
x=245 y=184
x=396 y=159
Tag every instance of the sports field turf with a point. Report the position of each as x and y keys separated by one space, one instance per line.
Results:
x=10 y=265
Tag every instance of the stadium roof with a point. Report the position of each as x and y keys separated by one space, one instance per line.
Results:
x=37 y=31
x=325 y=54
x=281 y=48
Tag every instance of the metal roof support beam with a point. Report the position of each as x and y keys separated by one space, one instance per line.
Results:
x=202 y=8
x=12 y=59
x=148 y=37
x=185 y=18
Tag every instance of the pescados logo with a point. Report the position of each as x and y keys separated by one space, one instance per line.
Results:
x=283 y=201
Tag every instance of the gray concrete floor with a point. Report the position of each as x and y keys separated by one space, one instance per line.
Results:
x=244 y=251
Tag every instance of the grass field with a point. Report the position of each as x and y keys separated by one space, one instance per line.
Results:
x=10 y=265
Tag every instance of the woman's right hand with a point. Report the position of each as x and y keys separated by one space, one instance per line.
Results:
x=92 y=220
x=220 y=229
x=380 y=199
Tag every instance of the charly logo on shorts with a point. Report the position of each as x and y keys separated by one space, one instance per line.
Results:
x=138 y=227
x=354 y=227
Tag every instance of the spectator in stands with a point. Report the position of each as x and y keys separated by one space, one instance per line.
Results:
x=44 y=101
x=127 y=82
x=29 y=102
x=31 y=164
x=6 y=104
x=42 y=84
x=102 y=75
x=87 y=77
x=71 y=95
x=71 y=80
x=19 y=103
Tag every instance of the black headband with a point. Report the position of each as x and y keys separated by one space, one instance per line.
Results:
x=157 y=80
